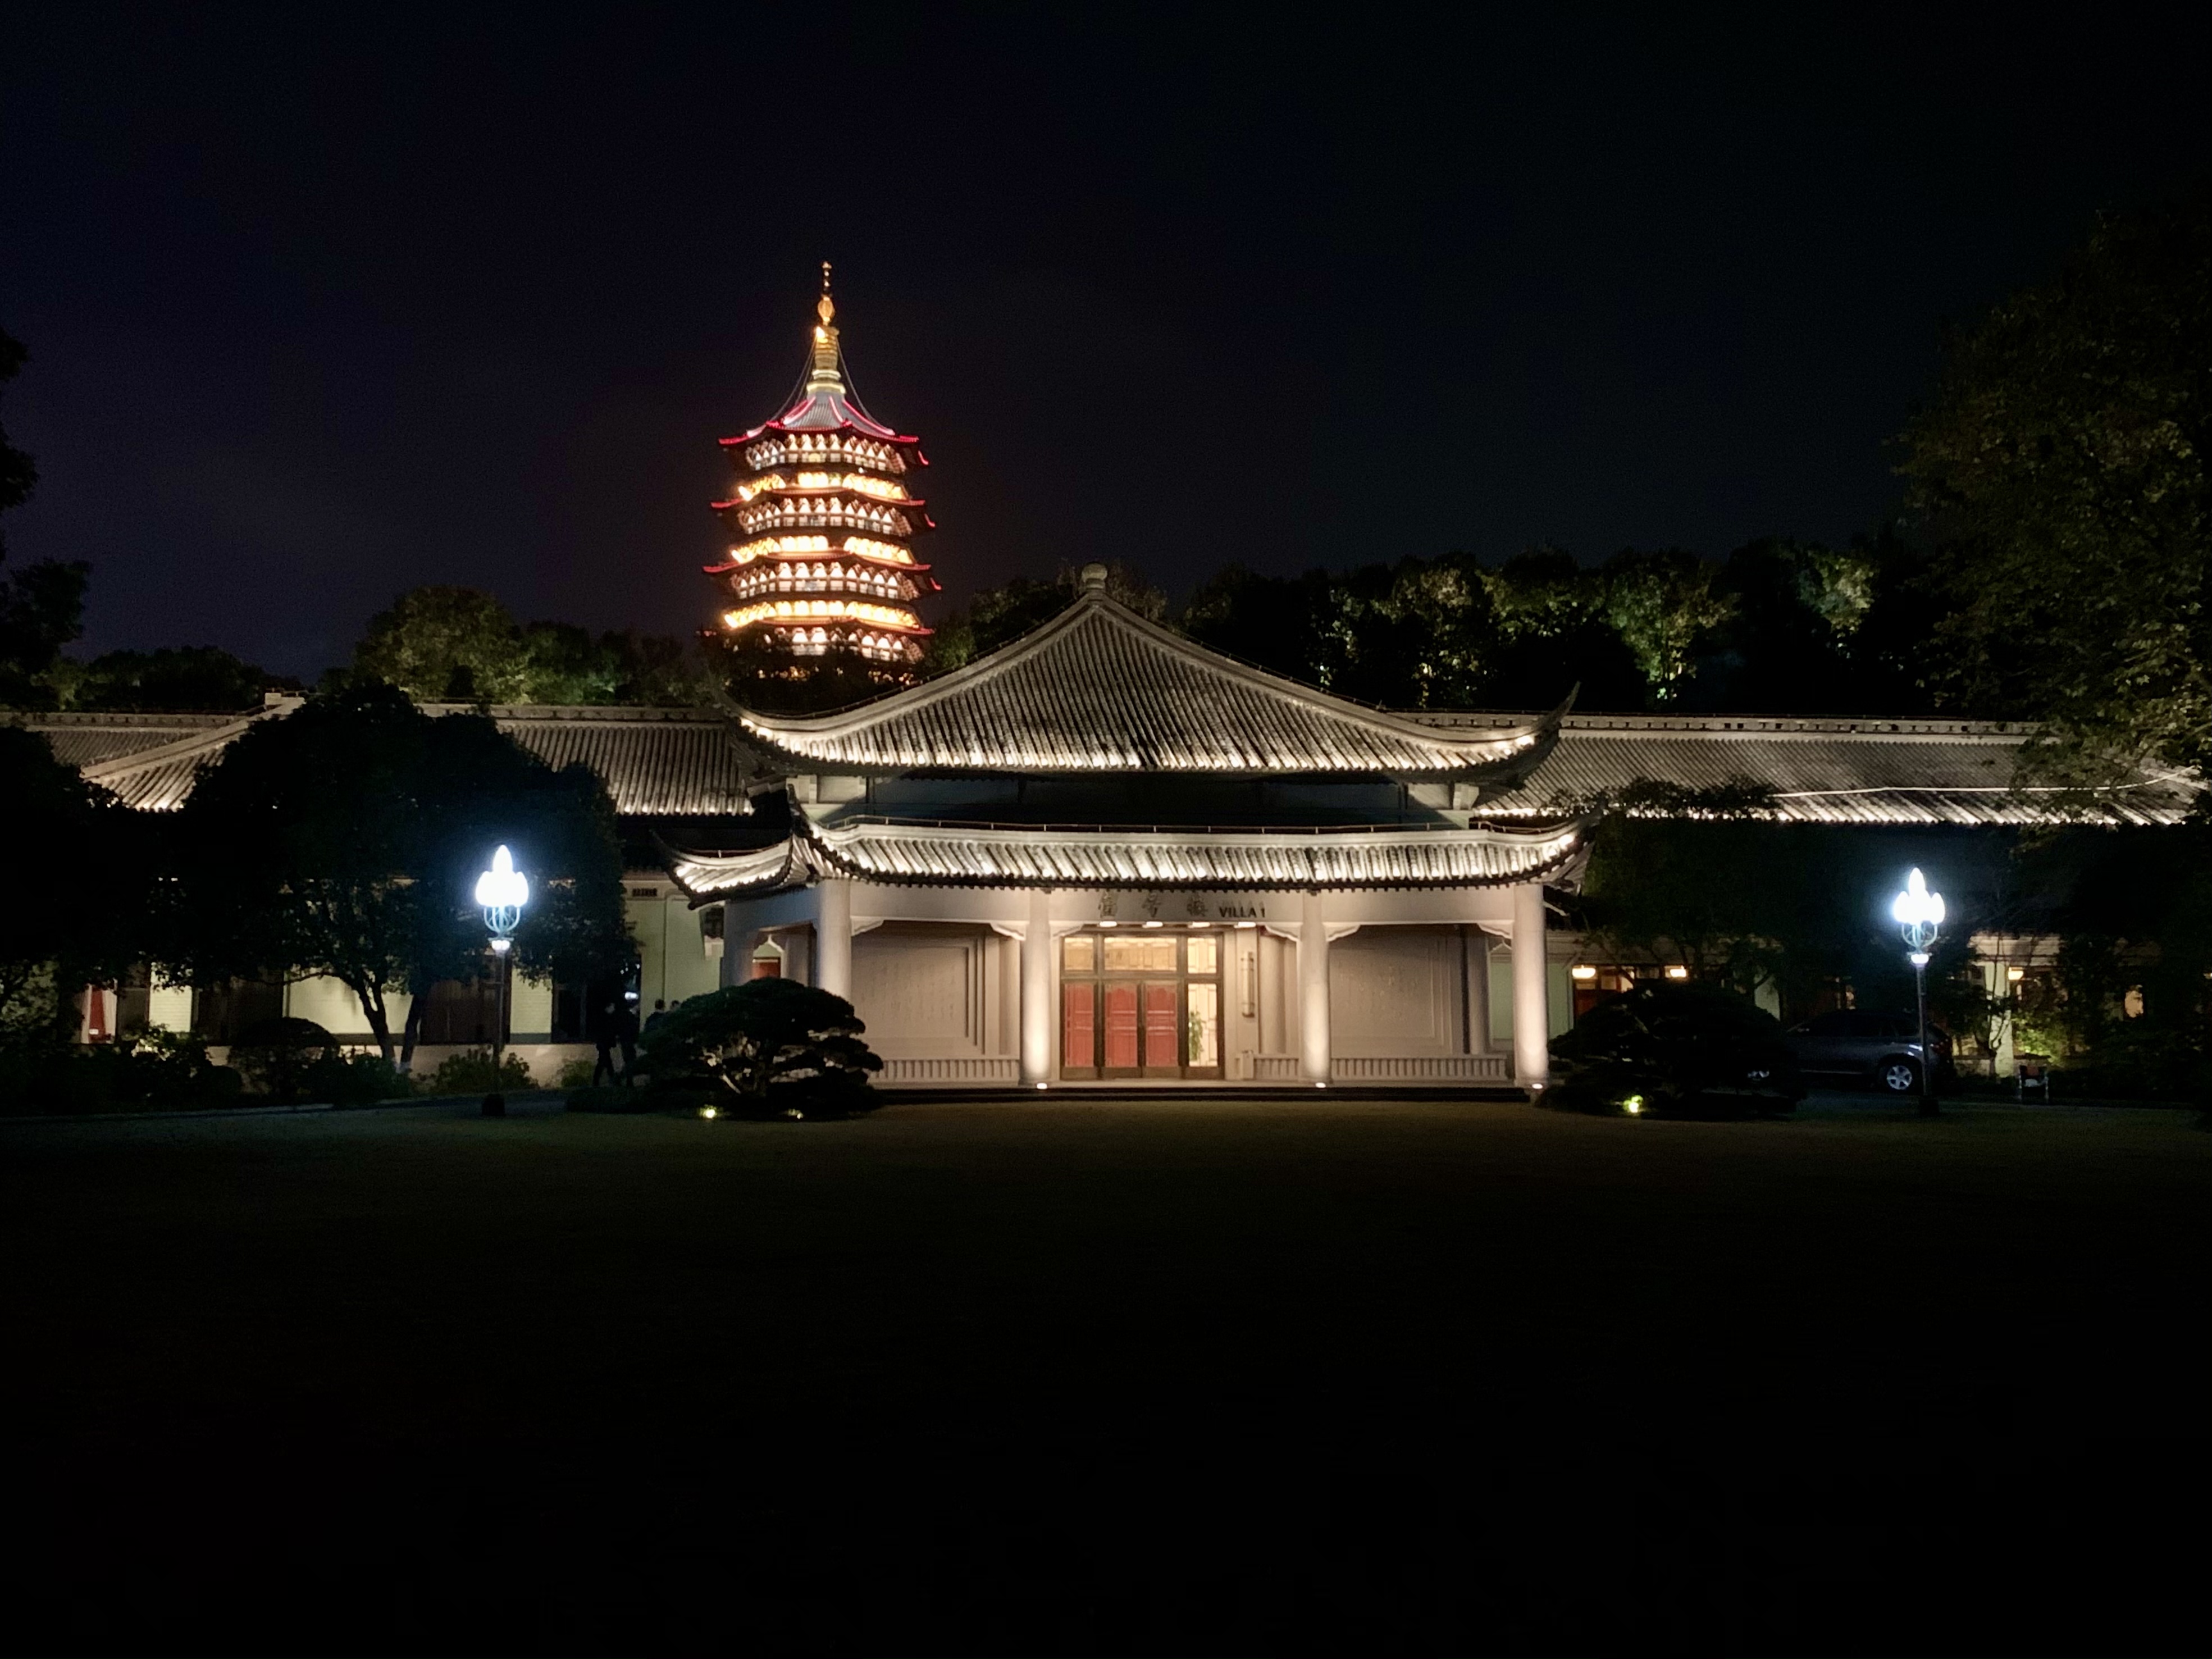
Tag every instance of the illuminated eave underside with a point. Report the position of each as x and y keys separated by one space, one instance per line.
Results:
x=908 y=854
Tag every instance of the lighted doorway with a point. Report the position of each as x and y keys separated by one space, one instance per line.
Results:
x=1141 y=1002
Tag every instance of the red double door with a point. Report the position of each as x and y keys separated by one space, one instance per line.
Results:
x=1143 y=1024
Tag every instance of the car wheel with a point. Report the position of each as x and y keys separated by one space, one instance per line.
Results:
x=1899 y=1077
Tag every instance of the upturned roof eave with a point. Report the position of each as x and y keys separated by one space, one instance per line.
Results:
x=811 y=849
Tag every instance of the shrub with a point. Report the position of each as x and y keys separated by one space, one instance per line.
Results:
x=472 y=1072
x=775 y=1047
x=170 y=1071
x=276 y=1054
x=160 y=1070
x=359 y=1079
x=575 y=1074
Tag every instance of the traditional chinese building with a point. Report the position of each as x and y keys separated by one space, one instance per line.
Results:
x=822 y=516
x=1105 y=856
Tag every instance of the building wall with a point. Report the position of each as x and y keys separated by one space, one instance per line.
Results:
x=935 y=991
x=334 y=1006
x=671 y=948
x=1396 y=991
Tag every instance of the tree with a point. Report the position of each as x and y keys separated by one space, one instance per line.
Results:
x=1649 y=886
x=1272 y=622
x=41 y=605
x=193 y=677
x=487 y=790
x=345 y=840
x=57 y=936
x=2060 y=470
x=446 y=645
x=461 y=644
x=1557 y=636
x=1665 y=607
x=774 y=1046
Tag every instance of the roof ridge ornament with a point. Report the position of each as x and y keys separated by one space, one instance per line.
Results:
x=824 y=371
x=1094 y=578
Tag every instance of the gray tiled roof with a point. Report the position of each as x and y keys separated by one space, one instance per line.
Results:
x=679 y=762
x=90 y=739
x=1822 y=771
x=1098 y=688
x=903 y=852
x=656 y=762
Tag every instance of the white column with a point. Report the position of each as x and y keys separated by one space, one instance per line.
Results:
x=833 y=936
x=1036 y=993
x=739 y=941
x=1313 y=993
x=1532 y=1009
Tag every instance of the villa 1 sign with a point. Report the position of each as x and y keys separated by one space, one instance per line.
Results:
x=1187 y=907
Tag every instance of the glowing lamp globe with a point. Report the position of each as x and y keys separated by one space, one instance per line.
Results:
x=502 y=890
x=1916 y=907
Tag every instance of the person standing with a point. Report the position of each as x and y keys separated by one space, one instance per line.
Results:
x=602 y=1031
x=626 y=1034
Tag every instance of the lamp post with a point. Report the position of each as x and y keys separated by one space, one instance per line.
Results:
x=1919 y=916
x=502 y=890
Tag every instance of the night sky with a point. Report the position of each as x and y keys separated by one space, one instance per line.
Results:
x=325 y=304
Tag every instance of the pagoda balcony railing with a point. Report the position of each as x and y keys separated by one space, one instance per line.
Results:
x=879 y=458
x=755 y=519
x=825 y=587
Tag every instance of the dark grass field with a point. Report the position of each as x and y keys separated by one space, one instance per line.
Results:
x=1109 y=1377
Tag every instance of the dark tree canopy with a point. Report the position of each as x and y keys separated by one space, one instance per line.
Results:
x=460 y=645
x=78 y=922
x=345 y=839
x=193 y=679
x=2061 y=470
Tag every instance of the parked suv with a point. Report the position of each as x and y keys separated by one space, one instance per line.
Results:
x=1883 y=1049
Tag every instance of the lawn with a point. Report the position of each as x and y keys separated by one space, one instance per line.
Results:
x=1109 y=1376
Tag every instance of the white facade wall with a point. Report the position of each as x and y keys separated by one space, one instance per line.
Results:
x=1418 y=985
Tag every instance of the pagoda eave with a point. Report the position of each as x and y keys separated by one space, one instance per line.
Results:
x=911 y=631
x=822 y=492
x=882 y=434
x=728 y=565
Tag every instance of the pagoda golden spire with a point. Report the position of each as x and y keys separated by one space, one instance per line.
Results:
x=825 y=336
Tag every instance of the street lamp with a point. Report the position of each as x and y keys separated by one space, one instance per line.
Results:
x=502 y=890
x=1919 y=916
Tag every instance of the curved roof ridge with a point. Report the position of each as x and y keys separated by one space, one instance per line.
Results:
x=1115 y=691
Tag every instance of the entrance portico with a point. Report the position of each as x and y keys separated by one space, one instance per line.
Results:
x=1073 y=987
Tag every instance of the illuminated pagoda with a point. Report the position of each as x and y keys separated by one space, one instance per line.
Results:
x=822 y=519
